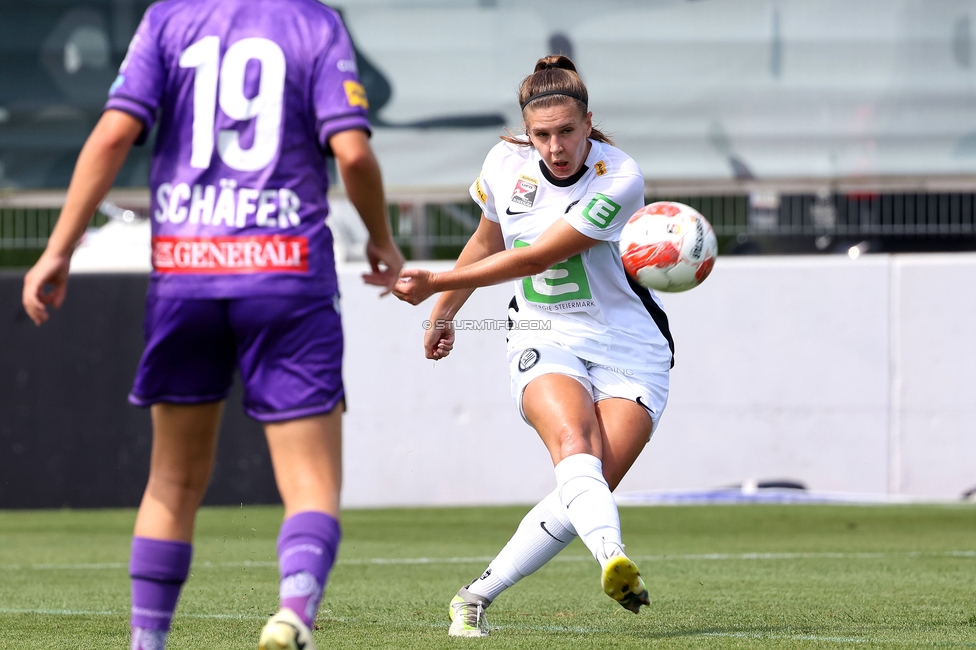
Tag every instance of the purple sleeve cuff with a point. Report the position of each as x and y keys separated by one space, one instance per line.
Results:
x=137 y=110
x=343 y=123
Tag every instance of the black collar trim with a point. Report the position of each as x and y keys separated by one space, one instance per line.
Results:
x=562 y=182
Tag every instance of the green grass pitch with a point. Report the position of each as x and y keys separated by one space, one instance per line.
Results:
x=719 y=577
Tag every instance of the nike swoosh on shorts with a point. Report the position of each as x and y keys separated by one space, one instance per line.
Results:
x=646 y=407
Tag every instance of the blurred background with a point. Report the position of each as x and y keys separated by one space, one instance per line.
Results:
x=832 y=145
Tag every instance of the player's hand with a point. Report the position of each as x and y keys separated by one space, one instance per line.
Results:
x=439 y=339
x=385 y=261
x=45 y=284
x=414 y=286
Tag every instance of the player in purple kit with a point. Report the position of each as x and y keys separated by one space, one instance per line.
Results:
x=243 y=271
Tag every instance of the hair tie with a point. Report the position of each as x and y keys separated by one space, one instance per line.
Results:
x=553 y=92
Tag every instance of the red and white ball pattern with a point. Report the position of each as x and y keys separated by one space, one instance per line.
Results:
x=668 y=246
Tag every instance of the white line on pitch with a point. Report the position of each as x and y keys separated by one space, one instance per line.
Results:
x=699 y=557
x=82 y=612
x=791 y=637
x=734 y=635
x=55 y=612
x=705 y=557
x=418 y=560
x=81 y=566
x=810 y=556
x=242 y=617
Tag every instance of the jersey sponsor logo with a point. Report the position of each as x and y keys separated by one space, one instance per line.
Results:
x=525 y=190
x=225 y=255
x=529 y=358
x=562 y=287
x=601 y=168
x=355 y=93
x=601 y=211
x=479 y=190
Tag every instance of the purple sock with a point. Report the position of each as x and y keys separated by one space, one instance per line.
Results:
x=307 y=548
x=158 y=568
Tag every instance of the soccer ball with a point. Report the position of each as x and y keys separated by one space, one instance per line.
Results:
x=668 y=246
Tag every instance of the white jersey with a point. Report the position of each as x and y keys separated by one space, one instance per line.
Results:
x=587 y=303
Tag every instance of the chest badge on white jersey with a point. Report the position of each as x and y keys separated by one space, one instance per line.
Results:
x=525 y=191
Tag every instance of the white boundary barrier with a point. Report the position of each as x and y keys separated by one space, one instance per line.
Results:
x=848 y=375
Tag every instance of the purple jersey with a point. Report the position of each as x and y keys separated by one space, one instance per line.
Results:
x=247 y=94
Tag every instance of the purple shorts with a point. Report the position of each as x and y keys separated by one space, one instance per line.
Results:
x=288 y=350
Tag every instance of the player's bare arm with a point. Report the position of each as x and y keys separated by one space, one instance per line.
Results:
x=559 y=242
x=486 y=241
x=364 y=184
x=98 y=164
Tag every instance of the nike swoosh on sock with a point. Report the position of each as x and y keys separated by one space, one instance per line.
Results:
x=543 y=525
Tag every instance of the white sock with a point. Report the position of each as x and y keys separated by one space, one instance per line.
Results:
x=543 y=533
x=586 y=496
x=146 y=639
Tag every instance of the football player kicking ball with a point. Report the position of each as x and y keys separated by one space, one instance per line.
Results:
x=243 y=276
x=589 y=350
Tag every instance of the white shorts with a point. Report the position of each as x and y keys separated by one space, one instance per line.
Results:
x=648 y=388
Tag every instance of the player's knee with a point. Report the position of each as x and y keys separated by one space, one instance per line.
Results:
x=574 y=440
x=179 y=487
